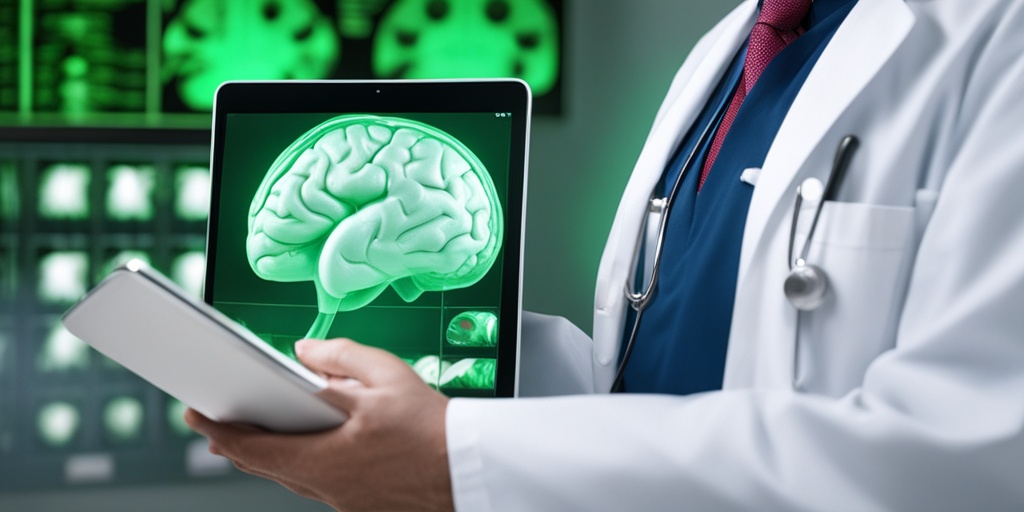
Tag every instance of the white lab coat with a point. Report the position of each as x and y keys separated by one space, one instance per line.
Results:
x=909 y=382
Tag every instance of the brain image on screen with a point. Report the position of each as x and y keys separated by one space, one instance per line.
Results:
x=473 y=329
x=211 y=41
x=469 y=38
x=471 y=373
x=361 y=202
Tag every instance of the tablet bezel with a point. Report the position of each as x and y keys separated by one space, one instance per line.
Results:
x=393 y=96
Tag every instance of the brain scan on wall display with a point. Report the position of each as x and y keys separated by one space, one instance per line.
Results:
x=469 y=38
x=212 y=41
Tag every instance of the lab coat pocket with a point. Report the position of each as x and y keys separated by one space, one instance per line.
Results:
x=865 y=251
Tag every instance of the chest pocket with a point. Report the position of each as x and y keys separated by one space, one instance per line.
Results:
x=865 y=250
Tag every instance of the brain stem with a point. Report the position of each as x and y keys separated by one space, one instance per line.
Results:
x=327 y=307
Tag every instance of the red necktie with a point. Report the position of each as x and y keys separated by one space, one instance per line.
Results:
x=777 y=25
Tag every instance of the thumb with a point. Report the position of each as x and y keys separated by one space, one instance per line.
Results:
x=346 y=358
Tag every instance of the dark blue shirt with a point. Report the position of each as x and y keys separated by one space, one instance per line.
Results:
x=684 y=332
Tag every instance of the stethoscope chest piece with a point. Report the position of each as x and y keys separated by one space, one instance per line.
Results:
x=806 y=286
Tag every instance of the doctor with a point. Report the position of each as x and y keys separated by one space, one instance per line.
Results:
x=902 y=390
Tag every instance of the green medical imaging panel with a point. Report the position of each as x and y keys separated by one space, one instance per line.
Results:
x=63 y=276
x=192 y=193
x=61 y=352
x=157 y=63
x=74 y=204
x=58 y=423
x=64 y=192
x=130 y=191
x=123 y=420
x=470 y=373
x=473 y=329
x=207 y=42
x=10 y=195
x=469 y=38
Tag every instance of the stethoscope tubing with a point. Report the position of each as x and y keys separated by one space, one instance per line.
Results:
x=844 y=154
x=639 y=301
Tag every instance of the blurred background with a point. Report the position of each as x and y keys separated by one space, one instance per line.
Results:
x=104 y=151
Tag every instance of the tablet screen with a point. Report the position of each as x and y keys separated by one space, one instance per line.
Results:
x=387 y=227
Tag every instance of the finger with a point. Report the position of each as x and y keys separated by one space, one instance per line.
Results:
x=290 y=484
x=256 y=449
x=283 y=479
x=198 y=422
x=219 y=434
x=342 y=393
x=346 y=358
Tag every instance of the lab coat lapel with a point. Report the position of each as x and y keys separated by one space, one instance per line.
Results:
x=761 y=339
x=678 y=116
x=871 y=34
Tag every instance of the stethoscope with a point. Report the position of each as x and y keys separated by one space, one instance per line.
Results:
x=659 y=206
x=806 y=286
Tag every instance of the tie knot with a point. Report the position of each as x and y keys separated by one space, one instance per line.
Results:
x=784 y=15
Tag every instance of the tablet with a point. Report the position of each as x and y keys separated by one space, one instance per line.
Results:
x=388 y=212
x=142 y=320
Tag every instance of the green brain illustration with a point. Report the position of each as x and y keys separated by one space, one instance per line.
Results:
x=362 y=202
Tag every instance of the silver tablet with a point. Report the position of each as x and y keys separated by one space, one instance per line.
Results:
x=183 y=346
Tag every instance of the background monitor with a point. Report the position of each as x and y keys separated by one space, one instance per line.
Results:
x=69 y=415
x=157 y=63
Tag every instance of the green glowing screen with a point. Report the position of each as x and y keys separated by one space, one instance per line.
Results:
x=211 y=41
x=473 y=329
x=157 y=63
x=463 y=374
x=64 y=191
x=469 y=373
x=122 y=419
x=62 y=351
x=176 y=418
x=379 y=228
x=63 y=276
x=187 y=270
x=362 y=202
x=58 y=423
x=429 y=368
x=74 y=204
x=469 y=38
x=10 y=202
x=192 y=193
x=130 y=192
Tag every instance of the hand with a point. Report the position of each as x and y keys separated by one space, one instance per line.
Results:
x=391 y=454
